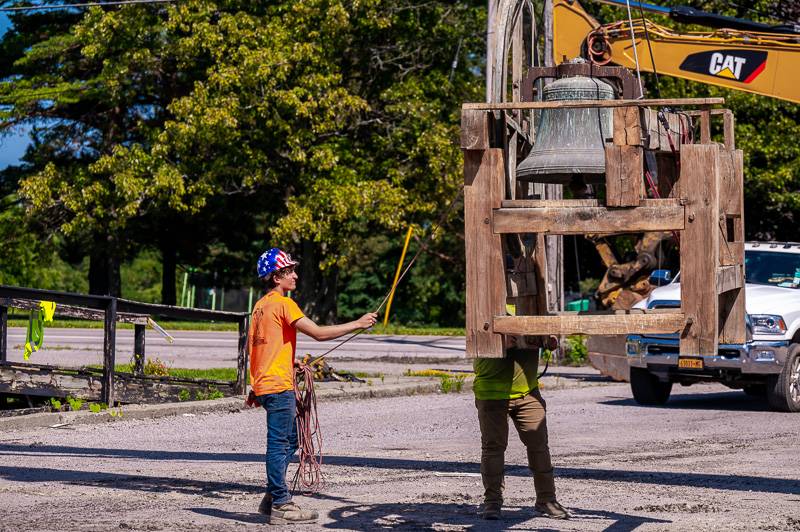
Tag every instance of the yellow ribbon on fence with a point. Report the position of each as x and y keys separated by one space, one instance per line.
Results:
x=34 y=338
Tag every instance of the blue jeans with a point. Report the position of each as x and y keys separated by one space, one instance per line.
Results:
x=281 y=442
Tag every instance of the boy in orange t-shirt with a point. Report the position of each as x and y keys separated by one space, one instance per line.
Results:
x=272 y=343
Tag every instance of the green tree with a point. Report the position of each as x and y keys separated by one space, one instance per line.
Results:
x=342 y=116
x=772 y=165
x=313 y=125
x=95 y=86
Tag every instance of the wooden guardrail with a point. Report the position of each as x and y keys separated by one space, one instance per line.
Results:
x=111 y=310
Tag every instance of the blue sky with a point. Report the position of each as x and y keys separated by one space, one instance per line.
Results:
x=12 y=146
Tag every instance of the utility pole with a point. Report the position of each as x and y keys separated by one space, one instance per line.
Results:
x=490 y=45
x=554 y=244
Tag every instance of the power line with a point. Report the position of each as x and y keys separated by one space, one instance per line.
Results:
x=84 y=4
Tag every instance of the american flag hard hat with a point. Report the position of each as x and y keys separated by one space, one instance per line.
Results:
x=273 y=260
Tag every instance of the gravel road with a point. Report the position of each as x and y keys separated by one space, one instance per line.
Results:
x=714 y=459
x=218 y=349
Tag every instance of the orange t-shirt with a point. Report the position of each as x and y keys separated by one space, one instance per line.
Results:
x=272 y=342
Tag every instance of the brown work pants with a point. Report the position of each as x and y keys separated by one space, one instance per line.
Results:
x=528 y=415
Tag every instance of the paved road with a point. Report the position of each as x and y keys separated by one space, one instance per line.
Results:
x=209 y=349
x=712 y=460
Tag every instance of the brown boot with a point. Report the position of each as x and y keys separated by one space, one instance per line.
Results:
x=265 y=508
x=290 y=513
x=490 y=511
x=551 y=509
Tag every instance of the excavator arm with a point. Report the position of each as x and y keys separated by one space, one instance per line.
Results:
x=755 y=61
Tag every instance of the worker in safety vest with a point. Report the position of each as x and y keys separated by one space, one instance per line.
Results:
x=272 y=342
x=508 y=388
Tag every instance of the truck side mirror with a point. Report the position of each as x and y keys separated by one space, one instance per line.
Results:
x=660 y=277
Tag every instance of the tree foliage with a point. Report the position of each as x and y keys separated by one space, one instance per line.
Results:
x=312 y=125
x=763 y=125
x=205 y=131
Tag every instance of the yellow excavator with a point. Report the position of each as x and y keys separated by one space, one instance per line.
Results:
x=738 y=53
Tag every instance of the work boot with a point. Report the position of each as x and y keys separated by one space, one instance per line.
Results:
x=490 y=511
x=551 y=509
x=265 y=508
x=290 y=513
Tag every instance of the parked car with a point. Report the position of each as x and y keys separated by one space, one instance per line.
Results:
x=767 y=364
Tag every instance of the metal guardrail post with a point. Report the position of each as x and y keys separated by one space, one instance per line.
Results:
x=109 y=345
x=241 y=370
x=3 y=334
x=138 y=349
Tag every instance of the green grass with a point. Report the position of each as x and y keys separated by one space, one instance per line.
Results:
x=362 y=374
x=417 y=330
x=217 y=374
x=168 y=325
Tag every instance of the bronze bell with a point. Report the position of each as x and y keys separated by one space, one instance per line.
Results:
x=570 y=141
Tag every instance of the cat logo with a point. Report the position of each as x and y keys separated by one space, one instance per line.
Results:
x=737 y=65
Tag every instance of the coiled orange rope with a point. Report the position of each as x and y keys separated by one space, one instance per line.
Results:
x=309 y=437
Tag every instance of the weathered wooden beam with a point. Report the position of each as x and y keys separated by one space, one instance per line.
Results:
x=644 y=323
x=512 y=124
x=732 y=326
x=624 y=174
x=589 y=104
x=71 y=311
x=712 y=112
x=139 y=334
x=728 y=124
x=39 y=380
x=700 y=169
x=729 y=128
x=130 y=389
x=3 y=333
x=627 y=126
x=576 y=203
x=729 y=278
x=656 y=136
x=474 y=130
x=581 y=220
x=731 y=198
x=54 y=381
x=109 y=351
x=731 y=178
x=705 y=125
x=242 y=357
x=169 y=311
x=485 y=279
x=60 y=298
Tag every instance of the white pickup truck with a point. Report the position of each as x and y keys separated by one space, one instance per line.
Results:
x=767 y=364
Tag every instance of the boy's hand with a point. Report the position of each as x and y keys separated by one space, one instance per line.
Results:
x=367 y=320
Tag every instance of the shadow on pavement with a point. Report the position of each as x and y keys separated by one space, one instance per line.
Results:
x=583 y=377
x=242 y=517
x=733 y=400
x=432 y=516
x=208 y=488
x=186 y=486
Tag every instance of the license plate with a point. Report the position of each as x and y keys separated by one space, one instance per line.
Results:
x=690 y=363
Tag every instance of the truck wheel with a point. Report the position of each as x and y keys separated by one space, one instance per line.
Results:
x=647 y=389
x=783 y=390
